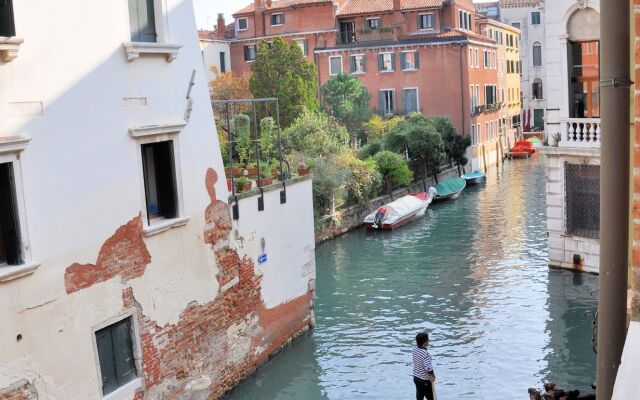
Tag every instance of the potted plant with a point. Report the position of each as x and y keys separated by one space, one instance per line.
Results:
x=302 y=168
x=275 y=168
x=265 y=176
x=243 y=184
x=252 y=170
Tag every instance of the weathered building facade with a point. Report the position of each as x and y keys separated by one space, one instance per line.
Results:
x=214 y=45
x=122 y=272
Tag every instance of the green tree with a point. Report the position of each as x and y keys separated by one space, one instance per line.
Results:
x=315 y=134
x=345 y=99
x=242 y=137
x=455 y=144
x=393 y=168
x=268 y=139
x=281 y=70
x=364 y=180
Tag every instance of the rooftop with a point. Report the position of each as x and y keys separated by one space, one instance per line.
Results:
x=281 y=4
x=354 y=7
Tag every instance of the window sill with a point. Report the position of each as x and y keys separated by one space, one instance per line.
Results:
x=17 y=271
x=358 y=73
x=410 y=70
x=9 y=47
x=125 y=391
x=387 y=71
x=154 y=130
x=164 y=225
x=135 y=49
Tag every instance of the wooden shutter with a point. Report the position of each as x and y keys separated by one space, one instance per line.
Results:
x=165 y=179
x=419 y=22
x=246 y=53
x=416 y=59
x=352 y=64
x=381 y=102
x=403 y=60
x=306 y=46
x=9 y=225
x=107 y=361
x=380 y=62
x=364 y=63
x=393 y=61
x=7 y=27
x=142 y=20
x=223 y=63
x=123 y=352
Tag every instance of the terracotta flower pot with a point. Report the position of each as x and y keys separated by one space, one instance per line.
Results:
x=265 y=181
x=303 y=171
x=243 y=187
x=252 y=171
x=236 y=171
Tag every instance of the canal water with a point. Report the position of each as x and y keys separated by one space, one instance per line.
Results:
x=474 y=274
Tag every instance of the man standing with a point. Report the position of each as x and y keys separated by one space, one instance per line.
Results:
x=423 y=375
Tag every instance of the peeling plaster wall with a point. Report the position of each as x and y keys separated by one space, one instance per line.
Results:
x=206 y=313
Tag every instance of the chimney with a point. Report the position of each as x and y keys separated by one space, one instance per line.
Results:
x=268 y=3
x=398 y=19
x=257 y=4
x=396 y=5
x=220 y=28
x=258 y=18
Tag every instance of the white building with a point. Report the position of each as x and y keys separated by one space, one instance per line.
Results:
x=572 y=124
x=122 y=273
x=216 y=53
x=529 y=17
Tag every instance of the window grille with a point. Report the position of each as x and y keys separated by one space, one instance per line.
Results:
x=582 y=200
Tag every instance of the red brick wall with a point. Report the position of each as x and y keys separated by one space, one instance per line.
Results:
x=21 y=390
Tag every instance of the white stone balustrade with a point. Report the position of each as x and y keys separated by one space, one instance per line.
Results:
x=580 y=132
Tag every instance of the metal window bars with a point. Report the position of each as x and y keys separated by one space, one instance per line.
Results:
x=228 y=113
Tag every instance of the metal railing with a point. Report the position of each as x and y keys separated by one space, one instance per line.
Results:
x=580 y=132
x=364 y=35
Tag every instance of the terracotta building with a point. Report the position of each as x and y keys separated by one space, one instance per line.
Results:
x=412 y=55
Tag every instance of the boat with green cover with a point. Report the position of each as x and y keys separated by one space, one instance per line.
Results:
x=474 y=178
x=450 y=188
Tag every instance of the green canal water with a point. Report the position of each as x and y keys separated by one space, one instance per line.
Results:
x=474 y=274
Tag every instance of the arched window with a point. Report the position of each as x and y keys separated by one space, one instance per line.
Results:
x=536 y=89
x=537 y=55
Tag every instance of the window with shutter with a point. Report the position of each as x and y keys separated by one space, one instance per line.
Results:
x=250 y=52
x=223 y=62
x=10 y=252
x=159 y=180
x=335 y=65
x=7 y=27
x=243 y=24
x=387 y=102
x=410 y=98
x=277 y=19
x=537 y=55
x=115 y=355
x=302 y=43
x=357 y=64
x=142 y=20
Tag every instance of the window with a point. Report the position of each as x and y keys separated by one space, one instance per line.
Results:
x=475 y=53
x=474 y=139
x=486 y=58
x=386 y=62
x=472 y=99
x=374 y=23
x=115 y=355
x=223 y=62
x=464 y=20
x=470 y=57
x=142 y=21
x=538 y=118
x=243 y=24
x=357 y=64
x=159 y=180
x=490 y=94
x=410 y=100
x=584 y=73
x=335 y=65
x=10 y=252
x=478 y=95
x=303 y=44
x=409 y=60
x=7 y=27
x=582 y=197
x=426 y=21
x=347 y=32
x=277 y=19
x=537 y=55
x=250 y=52
x=478 y=133
x=516 y=24
x=387 y=102
x=535 y=18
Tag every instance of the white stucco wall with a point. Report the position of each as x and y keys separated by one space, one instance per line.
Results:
x=74 y=93
x=211 y=50
x=627 y=385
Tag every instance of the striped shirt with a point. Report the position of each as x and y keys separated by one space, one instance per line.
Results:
x=421 y=363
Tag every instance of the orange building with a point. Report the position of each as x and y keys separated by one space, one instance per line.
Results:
x=412 y=55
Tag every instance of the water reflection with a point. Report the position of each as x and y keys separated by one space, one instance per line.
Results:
x=474 y=274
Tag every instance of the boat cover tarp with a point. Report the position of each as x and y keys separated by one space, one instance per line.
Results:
x=449 y=186
x=402 y=206
x=472 y=175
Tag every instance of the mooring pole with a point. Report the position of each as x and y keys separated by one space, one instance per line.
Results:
x=614 y=192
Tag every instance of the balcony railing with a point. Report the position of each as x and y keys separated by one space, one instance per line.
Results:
x=383 y=33
x=580 y=132
x=487 y=108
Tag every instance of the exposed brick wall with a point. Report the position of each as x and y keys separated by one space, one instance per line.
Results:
x=21 y=390
x=635 y=275
x=213 y=345
x=123 y=254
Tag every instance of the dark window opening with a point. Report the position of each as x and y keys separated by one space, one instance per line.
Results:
x=9 y=227
x=387 y=102
x=536 y=88
x=142 y=21
x=250 y=52
x=115 y=354
x=584 y=72
x=535 y=18
x=159 y=180
x=538 y=118
x=223 y=62
x=537 y=55
x=582 y=186
x=277 y=19
x=7 y=27
x=242 y=24
x=348 y=32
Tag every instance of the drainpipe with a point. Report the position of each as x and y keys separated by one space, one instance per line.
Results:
x=614 y=198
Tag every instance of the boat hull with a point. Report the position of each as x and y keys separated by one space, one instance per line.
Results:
x=475 y=180
x=450 y=196
x=417 y=210
x=406 y=219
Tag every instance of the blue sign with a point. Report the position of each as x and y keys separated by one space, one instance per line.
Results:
x=262 y=258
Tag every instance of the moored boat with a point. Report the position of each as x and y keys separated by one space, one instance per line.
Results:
x=398 y=212
x=449 y=189
x=474 y=178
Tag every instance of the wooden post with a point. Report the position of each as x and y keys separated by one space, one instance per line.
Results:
x=484 y=158
x=502 y=148
x=497 y=154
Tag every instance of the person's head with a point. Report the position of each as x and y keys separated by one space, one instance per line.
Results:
x=550 y=388
x=422 y=339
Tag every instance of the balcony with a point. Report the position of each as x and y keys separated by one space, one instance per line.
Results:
x=580 y=132
x=381 y=34
x=487 y=108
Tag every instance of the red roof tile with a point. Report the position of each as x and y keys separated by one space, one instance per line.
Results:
x=280 y=4
x=375 y=6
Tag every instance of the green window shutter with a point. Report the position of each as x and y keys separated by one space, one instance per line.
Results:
x=142 y=21
x=123 y=352
x=405 y=100
x=246 y=53
x=416 y=58
x=419 y=22
x=133 y=21
x=364 y=63
x=381 y=102
x=380 y=62
x=7 y=27
x=107 y=361
x=352 y=64
x=393 y=61
x=403 y=60
x=306 y=47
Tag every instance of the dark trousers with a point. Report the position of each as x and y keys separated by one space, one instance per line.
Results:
x=423 y=389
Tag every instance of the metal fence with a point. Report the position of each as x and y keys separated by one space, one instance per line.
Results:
x=582 y=197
